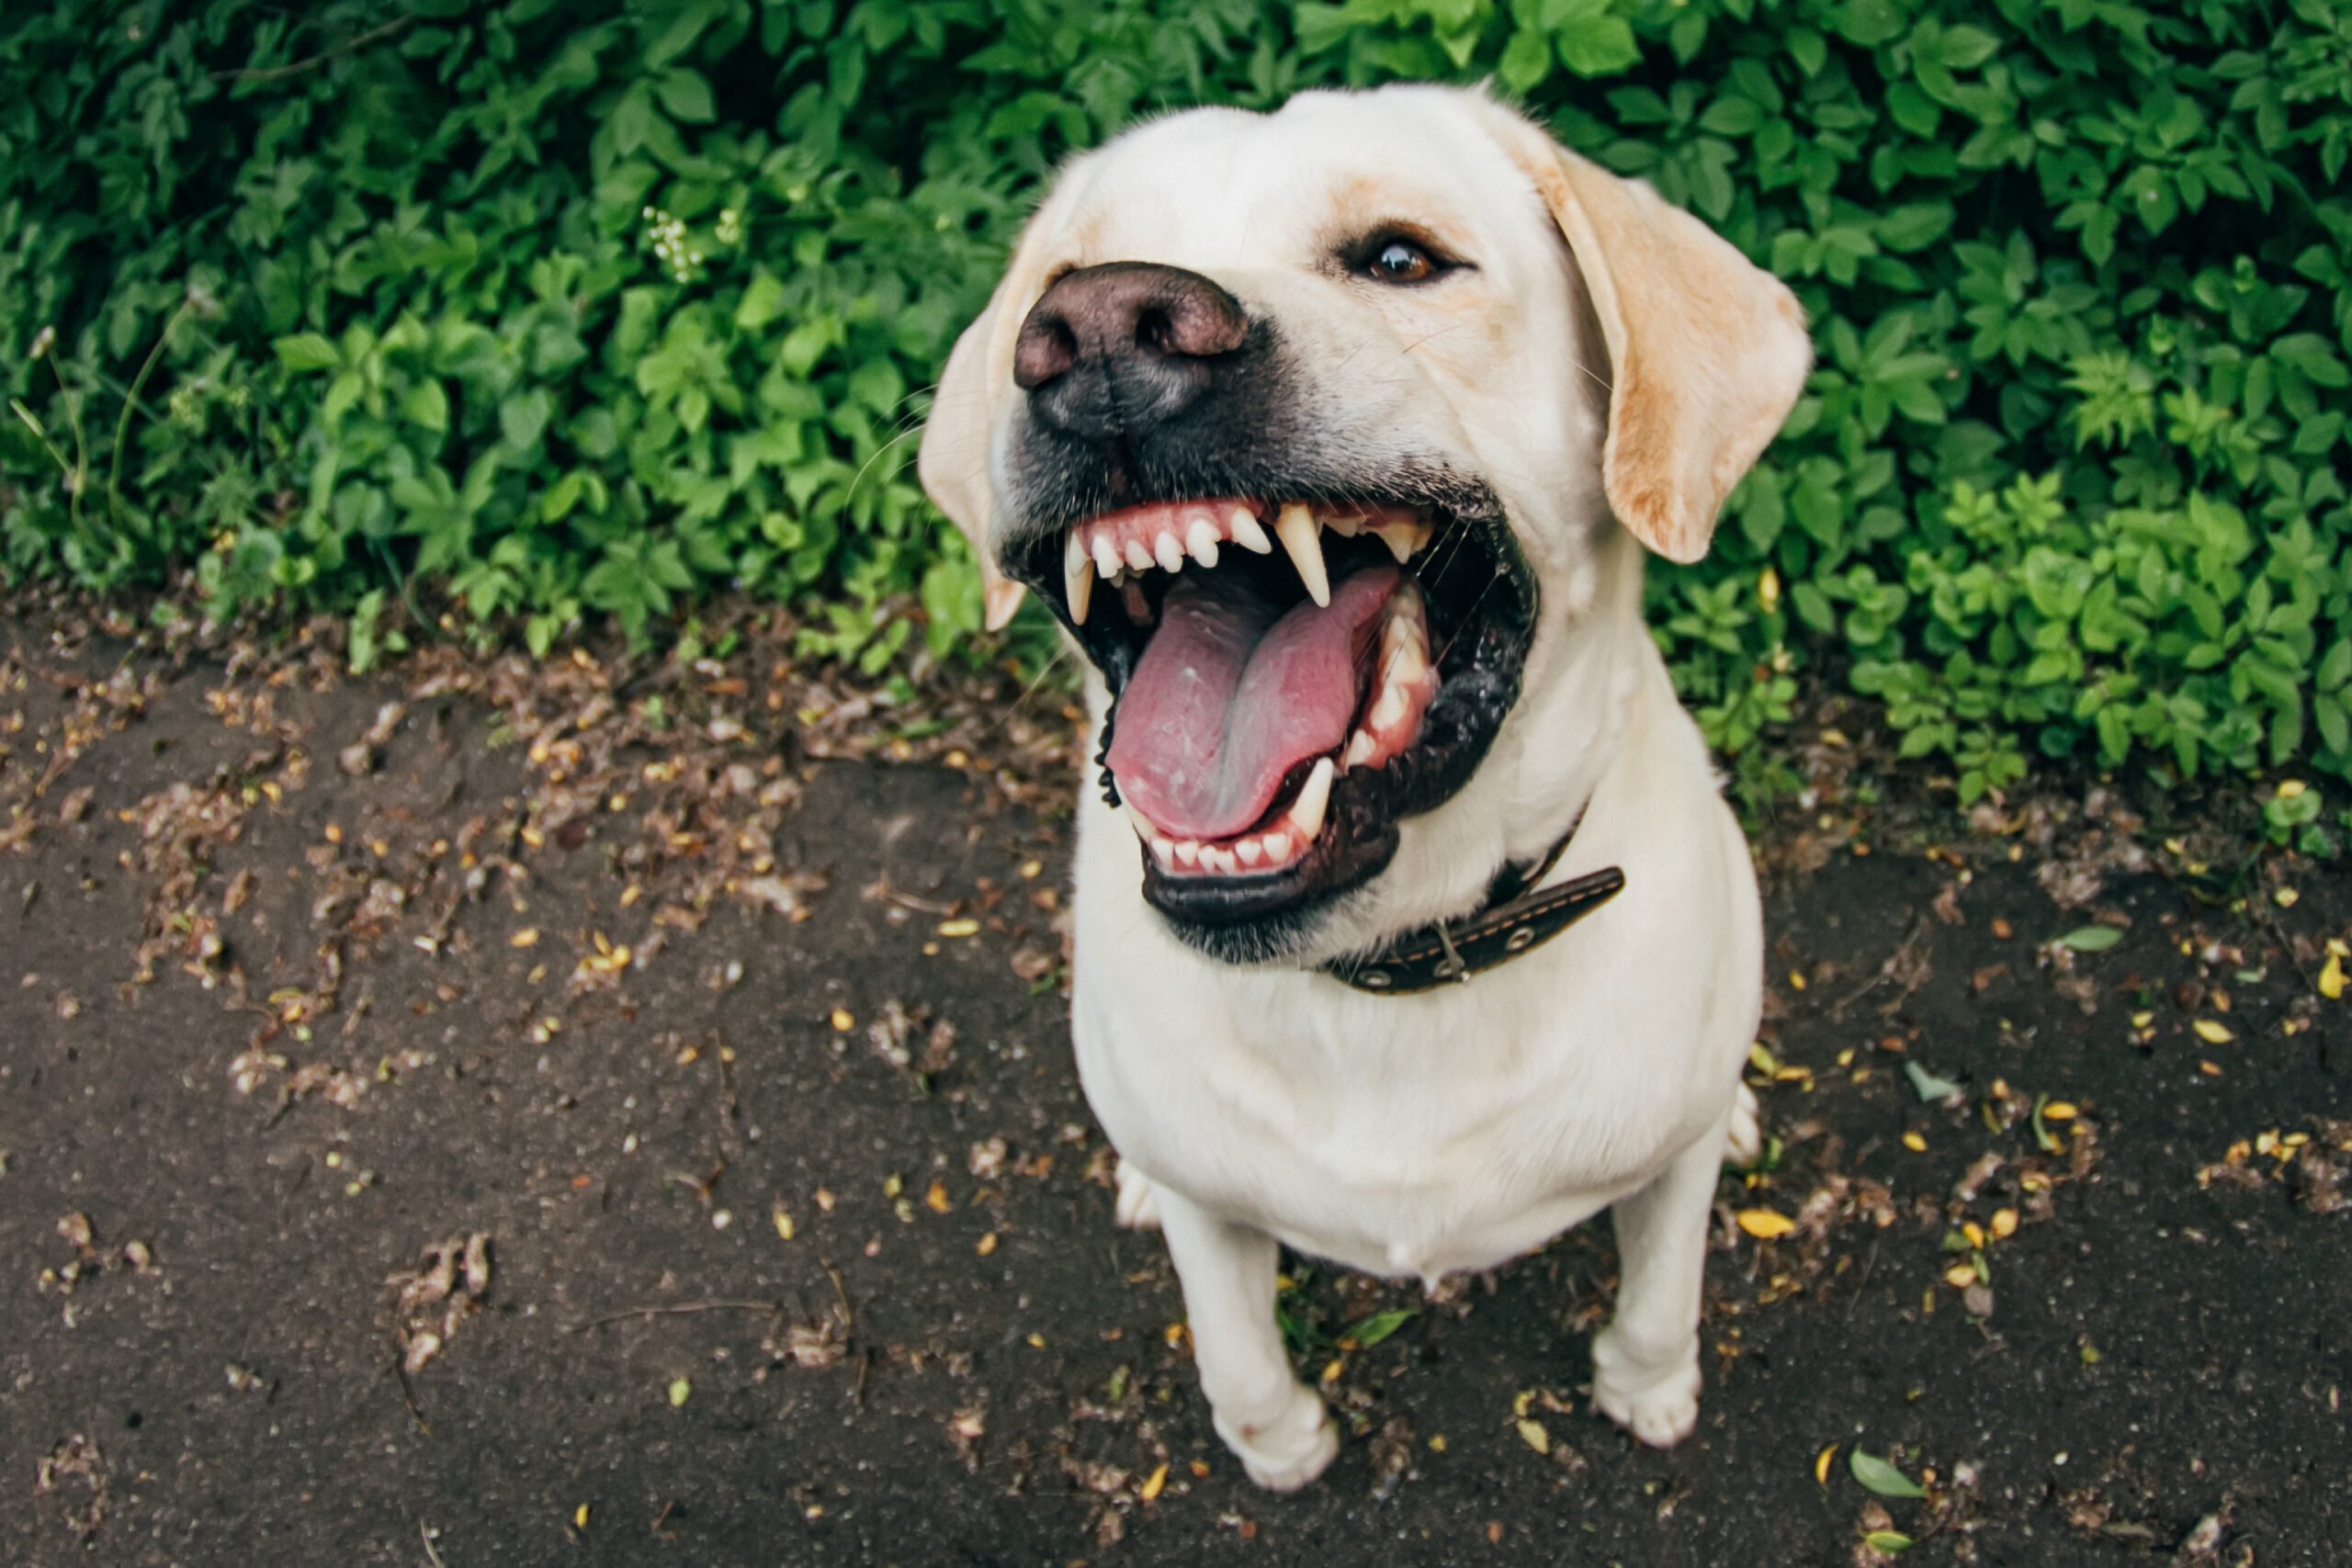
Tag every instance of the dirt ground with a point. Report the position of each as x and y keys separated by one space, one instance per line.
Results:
x=620 y=1115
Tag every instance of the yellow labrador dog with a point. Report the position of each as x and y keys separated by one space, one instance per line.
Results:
x=1411 y=929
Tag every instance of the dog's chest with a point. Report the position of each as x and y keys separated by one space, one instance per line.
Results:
x=1401 y=1137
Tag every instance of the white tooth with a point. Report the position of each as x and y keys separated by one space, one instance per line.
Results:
x=1346 y=527
x=1306 y=812
x=1250 y=850
x=1407 y=664
x=1361 y=746
x=1303 y=542
x=1138 y=557
x=1188 y=851
x=1167 y=553
x=1277 y=848
x=1402 y=539
x=1106 y=555
x=1078 y=580
x=1389 y=709
x=1201 y=538
x=1246 y=533
x=1142 y=824
x=1215 y=861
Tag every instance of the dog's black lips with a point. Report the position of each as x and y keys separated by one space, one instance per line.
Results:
x=1480 y=599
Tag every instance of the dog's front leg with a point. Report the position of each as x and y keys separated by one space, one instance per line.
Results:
x=1278 y=1427
x=1646 y=1363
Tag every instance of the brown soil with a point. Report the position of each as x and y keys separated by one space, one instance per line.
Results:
x=482 y=1116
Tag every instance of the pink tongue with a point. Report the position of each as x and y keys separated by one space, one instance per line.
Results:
x=1229 y=697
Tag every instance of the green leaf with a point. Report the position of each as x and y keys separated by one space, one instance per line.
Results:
x=306 y=352
x=1965 y=48
x=1869 y=22
x=1889 y=1541
x=1526 y=60
x=1370 y=1331
x=523 y=418
x=762 y=303
x=686 y=95
x=426 y=406
x=1598 y=46
x=1931 y=1090
x=1878 y=1476
x=2091 y=939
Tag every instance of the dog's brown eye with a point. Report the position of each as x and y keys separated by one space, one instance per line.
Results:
x=1401 y=261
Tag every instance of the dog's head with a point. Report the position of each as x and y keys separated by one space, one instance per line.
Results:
x=1311 y=428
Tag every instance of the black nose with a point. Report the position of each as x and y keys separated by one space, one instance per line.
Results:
x=1114 y=348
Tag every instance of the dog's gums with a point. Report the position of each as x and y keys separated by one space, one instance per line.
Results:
x=1289 y=677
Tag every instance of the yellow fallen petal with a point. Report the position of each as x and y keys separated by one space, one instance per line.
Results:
x=525 y=937
x=959 y=928
x=1533 y=1435
x=1821 y=1466
x=1960 y=1276
x=2213 y=1034
x=1764 y=1224
x=2004 y=1223
x=1158 y=1478
x=579 y=1518
x=2059 y=1111
x=2331 y=978
x=1915 y=1143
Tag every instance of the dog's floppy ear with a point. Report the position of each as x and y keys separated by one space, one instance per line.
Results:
x=1707 y=351
x=954 y=461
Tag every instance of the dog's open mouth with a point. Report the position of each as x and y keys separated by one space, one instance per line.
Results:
x=1289 y=678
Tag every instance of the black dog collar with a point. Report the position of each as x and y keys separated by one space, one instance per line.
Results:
x=1511 y=922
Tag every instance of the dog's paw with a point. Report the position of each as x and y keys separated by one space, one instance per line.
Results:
x=1137 y=1208
x=1658 y=1407
x=1286 y=1452
x=1745 y=1146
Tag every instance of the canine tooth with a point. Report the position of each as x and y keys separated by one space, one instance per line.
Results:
x=1314 y=796
x=1187 y=852
x=1389 y=708
x=1246 y=533
x=1249 y=852
x=1142 y=825
x=1078 y=580
x=1201 y=538
x=1361 y=746
x=1106 y=555
x=1138 y=556
x=1402 y=539
x=1277 y=848
x=1303 y=542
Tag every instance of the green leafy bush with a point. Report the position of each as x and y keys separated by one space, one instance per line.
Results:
x=510 y=313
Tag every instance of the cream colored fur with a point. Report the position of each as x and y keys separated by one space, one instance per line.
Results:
x=1417 y=1135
